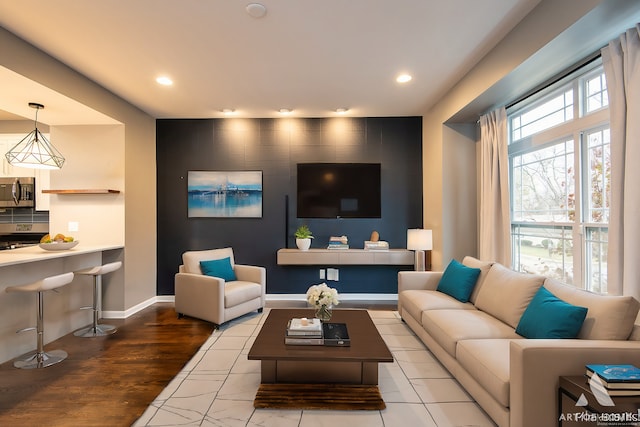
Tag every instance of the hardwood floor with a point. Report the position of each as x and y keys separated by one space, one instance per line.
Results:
x=110 y=381
x=105 y=381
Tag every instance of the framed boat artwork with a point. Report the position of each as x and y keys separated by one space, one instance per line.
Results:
x=224 y=194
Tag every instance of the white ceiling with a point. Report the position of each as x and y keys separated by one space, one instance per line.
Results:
x=310 y=56
x=18 y=91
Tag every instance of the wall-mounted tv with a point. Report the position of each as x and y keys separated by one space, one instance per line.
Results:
x=338 y=190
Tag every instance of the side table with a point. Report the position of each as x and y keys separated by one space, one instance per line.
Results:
x=625 y=412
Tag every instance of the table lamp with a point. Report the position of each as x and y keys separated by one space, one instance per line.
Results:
x=419 y=240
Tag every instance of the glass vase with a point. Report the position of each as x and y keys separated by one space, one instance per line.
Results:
x=324 y=312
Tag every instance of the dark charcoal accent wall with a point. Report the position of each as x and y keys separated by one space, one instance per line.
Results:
x=275 y=146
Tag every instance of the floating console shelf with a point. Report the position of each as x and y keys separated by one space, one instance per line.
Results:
x=82 y=191
x=345 y=257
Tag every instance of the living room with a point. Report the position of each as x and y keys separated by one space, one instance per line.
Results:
x=439 y=192
x=536 y=50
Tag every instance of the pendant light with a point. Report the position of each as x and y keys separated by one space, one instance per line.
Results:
x=34 y=151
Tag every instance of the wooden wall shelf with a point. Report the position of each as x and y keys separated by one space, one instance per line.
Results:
x=82 y=191
x=345 y=257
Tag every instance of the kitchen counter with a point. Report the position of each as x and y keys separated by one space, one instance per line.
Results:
x=35 y=253
x=62 y=312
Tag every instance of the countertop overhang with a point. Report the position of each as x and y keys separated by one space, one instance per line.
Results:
x=35 y=253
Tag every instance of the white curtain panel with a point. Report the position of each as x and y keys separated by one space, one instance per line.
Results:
x=621 y=60
x=495 y=221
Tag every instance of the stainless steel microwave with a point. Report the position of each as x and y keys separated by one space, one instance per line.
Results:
x=17 y=192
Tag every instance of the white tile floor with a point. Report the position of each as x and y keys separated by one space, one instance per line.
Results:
x=217 y=387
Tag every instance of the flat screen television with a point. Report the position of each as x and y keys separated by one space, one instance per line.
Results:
x=338 y=190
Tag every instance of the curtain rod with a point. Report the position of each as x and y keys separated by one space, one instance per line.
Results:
x=585 y=61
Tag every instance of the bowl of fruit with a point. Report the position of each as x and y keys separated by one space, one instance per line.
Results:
x=59 y=242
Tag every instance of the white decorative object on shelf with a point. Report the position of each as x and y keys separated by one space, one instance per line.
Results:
x=303 y=244
x=380 y=245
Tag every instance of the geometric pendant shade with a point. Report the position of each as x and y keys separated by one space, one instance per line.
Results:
x=34 y=151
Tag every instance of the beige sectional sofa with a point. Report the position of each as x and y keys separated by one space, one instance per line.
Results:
x=514 y=379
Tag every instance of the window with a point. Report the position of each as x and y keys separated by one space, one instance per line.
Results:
x=560 y=171
x=558 y=109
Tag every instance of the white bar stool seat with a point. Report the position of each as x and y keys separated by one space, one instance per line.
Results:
x=41 y=359
x=97 y=330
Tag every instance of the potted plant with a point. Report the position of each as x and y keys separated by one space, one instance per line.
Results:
x=303 y=237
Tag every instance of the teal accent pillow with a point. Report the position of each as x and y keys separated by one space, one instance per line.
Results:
x=547 y=316
x=458 y=281
x=219 y=268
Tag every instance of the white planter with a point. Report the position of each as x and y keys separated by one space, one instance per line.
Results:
x=303 y=244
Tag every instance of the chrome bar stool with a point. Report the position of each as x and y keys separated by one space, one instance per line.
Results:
x=97 y=330
x=41 y=359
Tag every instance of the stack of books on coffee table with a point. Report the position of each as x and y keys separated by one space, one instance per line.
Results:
x=615 y=380
x=303 y=331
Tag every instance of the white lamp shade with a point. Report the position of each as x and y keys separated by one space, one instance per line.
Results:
x=419 y=239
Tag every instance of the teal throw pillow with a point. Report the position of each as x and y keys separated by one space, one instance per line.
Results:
x=547 y=316
x=458 y=281
x=219 y=268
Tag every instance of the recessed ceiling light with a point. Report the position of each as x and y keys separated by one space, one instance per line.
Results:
x=164 y=80
x=256 y=10
x=228 y=111
x=285 y=111
x=342 y=110
x=403 y=78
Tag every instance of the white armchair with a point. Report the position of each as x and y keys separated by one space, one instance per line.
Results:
x=213 y=298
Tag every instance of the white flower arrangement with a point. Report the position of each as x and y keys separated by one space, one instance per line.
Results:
x=322 y=295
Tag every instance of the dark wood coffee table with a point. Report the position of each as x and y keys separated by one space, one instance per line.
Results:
x=313 y=364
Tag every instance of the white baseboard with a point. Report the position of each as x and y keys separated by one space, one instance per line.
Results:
x=269 y=297
x=106 y=314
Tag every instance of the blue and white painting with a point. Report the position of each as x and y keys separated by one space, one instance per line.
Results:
x=225 y=194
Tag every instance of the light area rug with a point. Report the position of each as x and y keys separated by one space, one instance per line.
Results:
x=217 y=387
